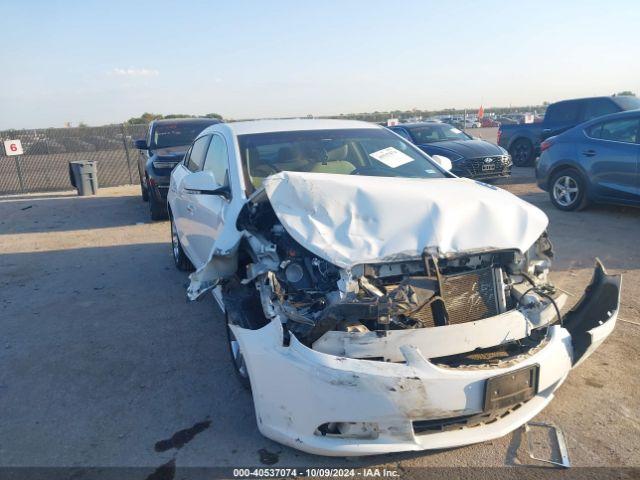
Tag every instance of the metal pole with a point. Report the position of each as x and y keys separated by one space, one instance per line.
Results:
x=126 y=151
x=19 y=171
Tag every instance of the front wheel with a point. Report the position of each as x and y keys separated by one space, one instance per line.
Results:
x=521 y=152
x=568 y=190
x=144 y=190
x=237 y=359
x=179 y=257
x=157 y=210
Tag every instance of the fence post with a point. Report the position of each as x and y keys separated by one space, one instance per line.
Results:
x=126 y=151
x=19 y=172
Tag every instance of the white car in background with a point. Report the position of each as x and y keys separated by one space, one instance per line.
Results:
x=375 y=302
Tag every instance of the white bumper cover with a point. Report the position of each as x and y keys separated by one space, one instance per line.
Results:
x=297 y=389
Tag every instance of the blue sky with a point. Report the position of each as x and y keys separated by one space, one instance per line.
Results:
x=102 y=62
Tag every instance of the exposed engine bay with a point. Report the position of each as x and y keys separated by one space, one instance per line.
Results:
x=310 y=296
x=374 y=315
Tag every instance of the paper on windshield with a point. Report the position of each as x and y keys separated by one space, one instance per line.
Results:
x=391 y=157
x=455 y=130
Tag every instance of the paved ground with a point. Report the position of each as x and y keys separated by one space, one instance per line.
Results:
x=101 y=357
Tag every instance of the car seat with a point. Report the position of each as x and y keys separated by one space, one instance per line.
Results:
x=335 y=162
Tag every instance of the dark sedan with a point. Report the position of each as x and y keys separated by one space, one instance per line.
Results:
x=166 y=143
x=470 y=157
x=596 y=161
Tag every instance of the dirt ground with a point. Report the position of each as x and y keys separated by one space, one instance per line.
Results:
x=102 y=358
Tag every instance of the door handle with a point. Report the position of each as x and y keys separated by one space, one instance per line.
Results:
x=190 y=208
x=589 y=153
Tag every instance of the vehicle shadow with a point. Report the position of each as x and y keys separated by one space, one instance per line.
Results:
x=69 y=212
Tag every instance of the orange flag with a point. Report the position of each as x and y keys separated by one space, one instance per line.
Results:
x=481 y=112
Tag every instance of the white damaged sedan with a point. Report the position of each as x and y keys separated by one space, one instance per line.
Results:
x=374 y=301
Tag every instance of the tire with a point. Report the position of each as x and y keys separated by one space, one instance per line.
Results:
x=145 y=193
x=568 y=190
x=244 y=309
x=157 y=210
x=180 y=258
x=237 y=359
x=521 y=152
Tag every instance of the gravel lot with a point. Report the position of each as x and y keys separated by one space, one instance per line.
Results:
x=101 y=357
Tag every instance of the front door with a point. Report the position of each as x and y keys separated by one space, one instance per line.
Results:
x=186 y=200
x=612 y=151
x=209 y=210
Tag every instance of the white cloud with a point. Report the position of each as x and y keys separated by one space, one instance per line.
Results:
x=135 y=72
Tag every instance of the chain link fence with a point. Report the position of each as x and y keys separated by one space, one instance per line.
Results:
x=44 y=166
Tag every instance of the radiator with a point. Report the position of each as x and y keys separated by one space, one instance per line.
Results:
x=470 y=296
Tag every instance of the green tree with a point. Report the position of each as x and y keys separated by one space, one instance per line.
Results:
x=213 y=115
x=177 y=115
x=625 y=92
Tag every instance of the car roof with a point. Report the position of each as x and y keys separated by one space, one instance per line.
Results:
x=581 y=99
x=289 y=125
x=208 y=121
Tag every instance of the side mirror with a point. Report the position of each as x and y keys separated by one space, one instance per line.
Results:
x=141 y=144
x=204 y=184
x=443 y=161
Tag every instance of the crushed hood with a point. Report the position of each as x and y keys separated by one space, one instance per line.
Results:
x=352 y=219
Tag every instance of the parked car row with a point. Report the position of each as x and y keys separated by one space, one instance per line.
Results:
x=374 y=301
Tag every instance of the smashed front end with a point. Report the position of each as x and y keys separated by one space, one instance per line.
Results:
x=431 y=351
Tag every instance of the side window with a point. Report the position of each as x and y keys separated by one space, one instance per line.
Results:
x=599 y=107
x=217 y=160
x=197 y=153
x=403 y=133
x=623 y=130
x=562 y=112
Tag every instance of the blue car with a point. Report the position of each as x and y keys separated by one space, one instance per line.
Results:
x=470 y=157
x=596 y=161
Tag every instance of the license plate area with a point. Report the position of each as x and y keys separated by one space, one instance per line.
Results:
x=488 y=167
x=509 y=389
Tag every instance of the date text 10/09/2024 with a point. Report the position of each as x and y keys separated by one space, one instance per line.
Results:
x=315 y=472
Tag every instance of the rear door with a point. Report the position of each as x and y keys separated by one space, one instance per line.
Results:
x=185 y=200
x=209 y=210
x=612 y=152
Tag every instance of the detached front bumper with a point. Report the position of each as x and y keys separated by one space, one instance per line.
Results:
x=391 y=407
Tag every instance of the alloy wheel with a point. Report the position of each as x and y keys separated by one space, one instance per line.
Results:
x=238 y=359
x=175 y=242
x=565 y=190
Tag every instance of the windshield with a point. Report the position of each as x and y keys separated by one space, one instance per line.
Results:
x=175 y=134
x=437 y=133
x=367 y=151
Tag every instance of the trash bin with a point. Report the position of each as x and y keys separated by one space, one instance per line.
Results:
x=84 y=177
